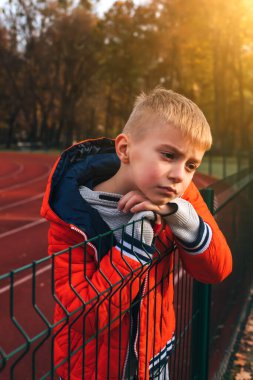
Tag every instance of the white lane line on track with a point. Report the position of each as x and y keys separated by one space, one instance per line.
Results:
x=26 y=278
x=21 y=202
x=25 y=227
x=13 y=174
x=21 y=184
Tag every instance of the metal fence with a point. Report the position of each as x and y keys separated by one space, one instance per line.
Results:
x=206 y=318
x=233 y=207
x=223 y=165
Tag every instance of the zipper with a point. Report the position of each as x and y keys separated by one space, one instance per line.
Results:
x=127 y=354
x=78 y=230
x=137 y=332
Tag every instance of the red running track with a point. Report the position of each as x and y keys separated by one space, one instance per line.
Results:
x=23 y=233
x=23 y=239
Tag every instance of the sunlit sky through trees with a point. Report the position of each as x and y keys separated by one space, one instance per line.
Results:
x=67 y=73
x=103 y=5
x=100 y=6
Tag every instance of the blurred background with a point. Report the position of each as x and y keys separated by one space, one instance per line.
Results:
x=70 y=69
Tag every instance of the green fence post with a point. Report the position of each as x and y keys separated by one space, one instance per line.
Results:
x=201 y=304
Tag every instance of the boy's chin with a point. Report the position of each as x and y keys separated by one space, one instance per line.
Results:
x=162 y=202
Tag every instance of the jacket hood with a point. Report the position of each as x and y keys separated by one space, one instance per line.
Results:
x=85 y=163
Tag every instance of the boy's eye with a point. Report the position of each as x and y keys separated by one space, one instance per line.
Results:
x=191 y=166
x=168 y=155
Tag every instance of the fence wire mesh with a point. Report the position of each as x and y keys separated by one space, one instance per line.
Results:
x=28 y=296
x=234 y=213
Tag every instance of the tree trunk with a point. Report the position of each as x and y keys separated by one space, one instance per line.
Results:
x=11 y=128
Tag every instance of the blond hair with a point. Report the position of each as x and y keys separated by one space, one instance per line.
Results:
x=174 y=109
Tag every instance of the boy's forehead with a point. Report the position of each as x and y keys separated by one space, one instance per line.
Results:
x=154 y=128
x=184 y=150
x=171 y=139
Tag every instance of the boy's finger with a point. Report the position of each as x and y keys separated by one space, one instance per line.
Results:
x=131 y=202
x=129 y=199
x=123 y=201
x=143 y=206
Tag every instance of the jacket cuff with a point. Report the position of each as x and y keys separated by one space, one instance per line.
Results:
x=135 y=249
x=184 y=221
x=202 y=241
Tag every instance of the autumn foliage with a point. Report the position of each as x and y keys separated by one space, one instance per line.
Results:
x=67 y=74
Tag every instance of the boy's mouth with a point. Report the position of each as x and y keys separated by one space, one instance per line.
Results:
x=167 y=189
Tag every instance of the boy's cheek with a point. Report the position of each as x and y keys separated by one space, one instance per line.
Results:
x=145 y=180
x=185 y=186
x=151 y=177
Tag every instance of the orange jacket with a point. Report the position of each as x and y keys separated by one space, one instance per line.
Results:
x=96 y=285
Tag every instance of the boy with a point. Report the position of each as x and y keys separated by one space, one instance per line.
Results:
x=118 y=289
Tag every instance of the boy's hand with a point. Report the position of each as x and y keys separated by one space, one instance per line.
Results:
x=135 y=201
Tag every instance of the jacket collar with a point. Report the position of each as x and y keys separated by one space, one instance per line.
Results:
x=86 y=163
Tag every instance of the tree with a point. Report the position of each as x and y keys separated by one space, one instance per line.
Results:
x=126 y=59
x=69 y=49
x=66 y=74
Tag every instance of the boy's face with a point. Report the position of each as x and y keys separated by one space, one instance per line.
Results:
x=162 y=164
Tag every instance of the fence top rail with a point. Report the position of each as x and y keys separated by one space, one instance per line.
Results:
x=227 y=189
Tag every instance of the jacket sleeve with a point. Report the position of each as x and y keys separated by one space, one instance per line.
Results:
x=210 y=260
x=96 y=295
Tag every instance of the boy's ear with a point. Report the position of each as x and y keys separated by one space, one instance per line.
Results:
x=122 y=147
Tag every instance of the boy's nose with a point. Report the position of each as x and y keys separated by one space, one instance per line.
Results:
x=177 y=172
